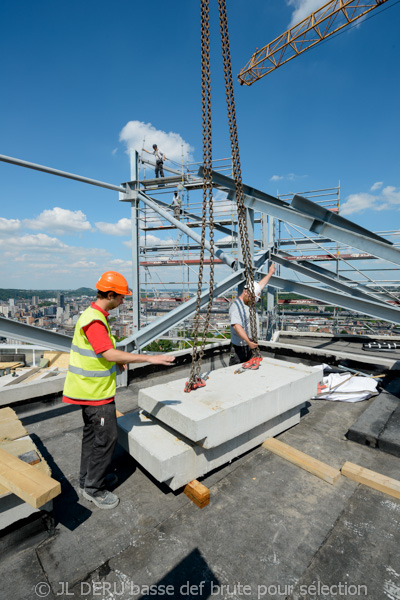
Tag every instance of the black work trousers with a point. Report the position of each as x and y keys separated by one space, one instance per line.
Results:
x=98 y=444
x=160 y=169
x=239 y=354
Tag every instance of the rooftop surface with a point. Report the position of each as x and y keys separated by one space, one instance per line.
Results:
x=271 y=530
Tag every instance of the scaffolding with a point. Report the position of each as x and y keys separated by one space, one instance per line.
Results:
x=169 y=269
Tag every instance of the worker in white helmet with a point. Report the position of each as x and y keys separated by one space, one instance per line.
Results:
x=239 y=315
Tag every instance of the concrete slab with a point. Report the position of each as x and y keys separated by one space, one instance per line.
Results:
x=389 y=440
x=172 y=459
x=231 y=404
x=370 y=425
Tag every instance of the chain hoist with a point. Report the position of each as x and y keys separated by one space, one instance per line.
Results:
x=194 y=378
x=237 y=172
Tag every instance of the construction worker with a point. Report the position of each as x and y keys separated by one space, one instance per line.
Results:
x=160 y=159
x=239 y=315
x=91 y=383
x=176 y=205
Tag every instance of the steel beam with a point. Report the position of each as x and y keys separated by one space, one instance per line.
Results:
x=358 y=305
x=318 y=212
x=195 y=217
x=264 y=203
x=35 y=167
x=153 y=331
x=327 y=277
x=34 y=335
x=226 y=258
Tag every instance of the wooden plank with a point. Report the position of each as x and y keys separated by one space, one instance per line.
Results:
x=119 y=414
x=57 y=359
x=374 y=480
x=7 y=414
x=22 y=446
x=30 y=484
x=11 y=430
x=302 y=460
x=197 y=493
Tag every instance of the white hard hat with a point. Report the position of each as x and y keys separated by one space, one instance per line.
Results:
x=257 y=290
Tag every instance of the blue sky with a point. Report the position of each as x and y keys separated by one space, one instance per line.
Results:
x=82 y=80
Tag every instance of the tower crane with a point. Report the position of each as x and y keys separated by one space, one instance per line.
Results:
x=318 y=26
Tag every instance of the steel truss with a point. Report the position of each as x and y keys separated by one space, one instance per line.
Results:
x=302 y=213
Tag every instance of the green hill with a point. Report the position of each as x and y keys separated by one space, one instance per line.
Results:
x=18 y=294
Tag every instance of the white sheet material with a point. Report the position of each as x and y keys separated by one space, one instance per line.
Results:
x=345 y=387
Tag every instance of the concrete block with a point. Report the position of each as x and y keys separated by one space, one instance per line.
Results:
x=231 y=404
x=370 y=425
x=389 y=440
x=176 y=461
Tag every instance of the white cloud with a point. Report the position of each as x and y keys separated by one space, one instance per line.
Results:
x=170 y=143
x=120 y=265
x=60 y=221
x=288 y=177
x=9 y=225
x=391 y=195
x=302 y=8
x=356 y=203
x=152 y=240
x=377 y=185
x=32 y=242
x=387 y=199
x=122 y=227
x=84 y=264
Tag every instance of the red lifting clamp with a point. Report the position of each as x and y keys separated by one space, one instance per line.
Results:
x=199 y=383
x=253 y=363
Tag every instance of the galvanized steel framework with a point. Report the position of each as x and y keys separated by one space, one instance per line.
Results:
x=301 y=213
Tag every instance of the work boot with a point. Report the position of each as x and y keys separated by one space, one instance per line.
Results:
x=103 y=499
x=110 y=480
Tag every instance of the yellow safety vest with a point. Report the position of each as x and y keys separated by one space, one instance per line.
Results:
x=90 y=377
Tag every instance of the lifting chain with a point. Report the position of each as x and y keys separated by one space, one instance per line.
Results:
x=197 y=355
x=237 y=172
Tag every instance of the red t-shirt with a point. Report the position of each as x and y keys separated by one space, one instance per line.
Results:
x=100 y=341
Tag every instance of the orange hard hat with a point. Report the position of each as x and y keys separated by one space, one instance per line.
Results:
x=111 y=281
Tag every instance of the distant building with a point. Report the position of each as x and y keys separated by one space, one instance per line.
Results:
x=35 y=300
x=60 y=300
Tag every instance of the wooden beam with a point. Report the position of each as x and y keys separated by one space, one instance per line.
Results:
x=27 y=482
x=374 y=480
x=119 y=414
x=197 y=493
x=304 y=461
x=11 y=430
x=7 y=414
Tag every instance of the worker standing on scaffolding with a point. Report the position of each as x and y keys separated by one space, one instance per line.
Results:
x=160 y=159
x=176 y=205
x=239 y=316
